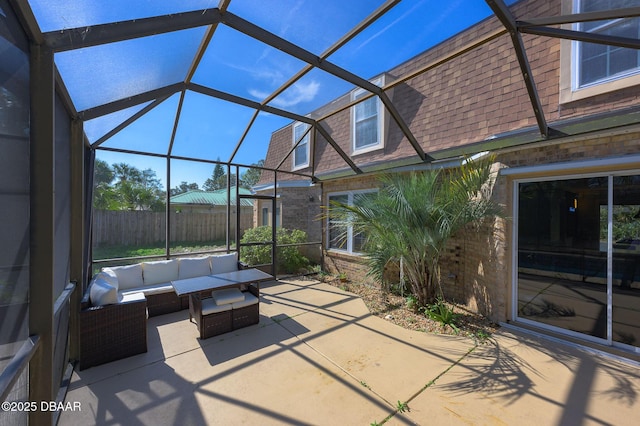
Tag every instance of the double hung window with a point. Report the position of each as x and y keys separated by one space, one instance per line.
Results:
x=367 y=122
x=301 y=152
x=340 y=234
x=599 y=63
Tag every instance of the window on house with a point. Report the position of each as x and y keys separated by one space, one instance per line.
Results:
x=340 y=235
x=366 y=122
x=301 y=153
x=597 y=63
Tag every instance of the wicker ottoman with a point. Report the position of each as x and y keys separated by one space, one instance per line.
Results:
x=211 y=319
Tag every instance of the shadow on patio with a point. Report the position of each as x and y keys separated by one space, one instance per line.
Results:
x=319 y=357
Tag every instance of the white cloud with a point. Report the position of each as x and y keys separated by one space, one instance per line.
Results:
x=432 y=23
x=298 y=93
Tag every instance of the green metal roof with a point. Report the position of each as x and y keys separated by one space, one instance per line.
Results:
x=216 y=198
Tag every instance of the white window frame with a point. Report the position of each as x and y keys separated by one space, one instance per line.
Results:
x=350 y=197
x=305 y=143
x=570 y=68
x=379 y=116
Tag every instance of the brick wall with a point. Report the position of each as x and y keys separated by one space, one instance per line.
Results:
x=475 y=269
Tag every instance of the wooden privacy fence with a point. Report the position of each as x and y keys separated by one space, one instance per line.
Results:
x=111 y=227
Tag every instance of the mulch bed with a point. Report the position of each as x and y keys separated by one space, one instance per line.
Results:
x=393 y=308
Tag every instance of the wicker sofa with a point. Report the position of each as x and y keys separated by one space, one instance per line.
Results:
x=115 y=307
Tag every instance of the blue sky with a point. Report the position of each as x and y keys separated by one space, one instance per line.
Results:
x=234 y=63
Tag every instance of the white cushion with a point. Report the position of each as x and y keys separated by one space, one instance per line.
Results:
x=129 y=276
x=209 y=306
x=249 y=299
x=229 y=295
x=162 y=271
x=150 y=289
x=108 y=276
x=191 y=267
x=102 y=293
x=131 y=297
x=224 y=263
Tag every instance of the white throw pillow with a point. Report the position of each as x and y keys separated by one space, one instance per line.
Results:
x=129 y=276
x=191 y=267
x=224 y=263
x=103 y=293
x=159 y=272
x=109 y=276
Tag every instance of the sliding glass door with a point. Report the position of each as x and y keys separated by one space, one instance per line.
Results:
x=625 y=227
x=578 y=256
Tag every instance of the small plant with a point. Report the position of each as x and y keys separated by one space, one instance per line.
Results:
x=482 y=336
x=343 y=277
x=402 y=407
x=442 y=313
x=412 y=303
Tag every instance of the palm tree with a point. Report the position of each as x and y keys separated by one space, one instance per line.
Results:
x=412 y=218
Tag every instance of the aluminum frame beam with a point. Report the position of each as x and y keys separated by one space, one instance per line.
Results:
x=140 y=98
x=631 y=43
x=130 y=120
x=602 y=15
x=94 y=35
x=247 y=102
x=505 y=16
x=260 y=34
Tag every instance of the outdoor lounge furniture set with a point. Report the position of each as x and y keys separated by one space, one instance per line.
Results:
x=115 y=307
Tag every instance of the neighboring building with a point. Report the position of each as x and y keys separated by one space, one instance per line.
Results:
x=199 y=201
x=204 y=214
x=550 y=265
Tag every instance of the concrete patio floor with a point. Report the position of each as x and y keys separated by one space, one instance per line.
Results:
x=319 y=357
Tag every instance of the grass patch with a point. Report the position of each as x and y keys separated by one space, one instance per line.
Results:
x=114 y=252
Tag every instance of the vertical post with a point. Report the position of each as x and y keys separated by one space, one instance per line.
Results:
x=167 y=210
x=238 y=204
x=274 y=242
x=41 y=386
x=78 y=231
x=228 y=233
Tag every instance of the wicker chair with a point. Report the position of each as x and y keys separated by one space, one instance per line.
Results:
x=112 y=332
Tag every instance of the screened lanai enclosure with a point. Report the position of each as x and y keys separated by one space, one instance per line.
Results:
x=139 y=130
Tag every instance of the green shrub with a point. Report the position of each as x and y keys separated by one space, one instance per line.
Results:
x=290 y=260
x=441 y=312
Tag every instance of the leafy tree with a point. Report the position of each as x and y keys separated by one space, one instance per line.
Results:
x=134 y=189
x=251 y=176
x=126 y=172
x=104 y=198
x=218 y=179
x=412 y=218
x=184 y=187
x=103 y=173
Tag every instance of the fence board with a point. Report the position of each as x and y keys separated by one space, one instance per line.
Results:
x=111 y=227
